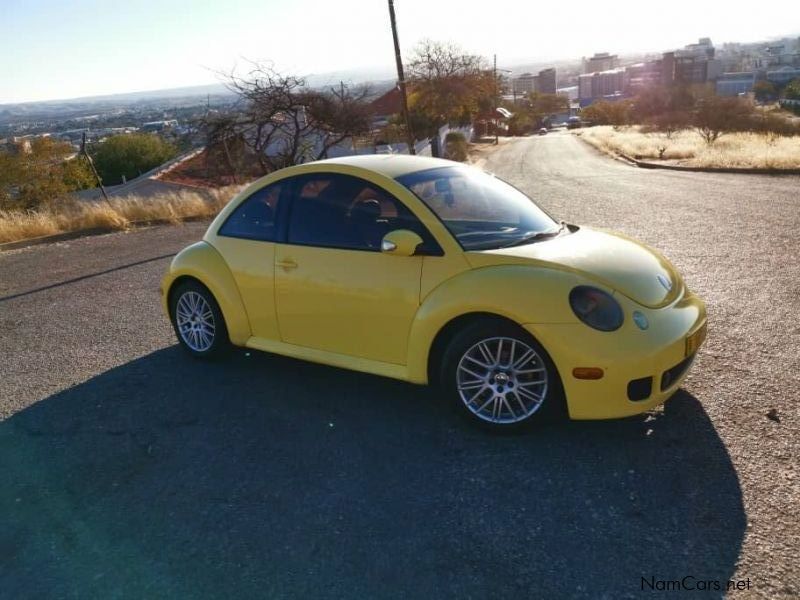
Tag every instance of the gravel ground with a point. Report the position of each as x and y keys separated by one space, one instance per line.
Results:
x=128 y=470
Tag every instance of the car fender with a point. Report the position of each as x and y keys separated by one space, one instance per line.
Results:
x=203 y=262
x=520 y=293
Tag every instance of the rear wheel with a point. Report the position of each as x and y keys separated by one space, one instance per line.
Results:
x=500 y=377
x=198 y=321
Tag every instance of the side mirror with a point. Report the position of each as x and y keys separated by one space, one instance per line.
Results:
x=400 y=242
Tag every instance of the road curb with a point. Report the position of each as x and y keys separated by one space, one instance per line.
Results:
x=72 y=235
x=644 y=164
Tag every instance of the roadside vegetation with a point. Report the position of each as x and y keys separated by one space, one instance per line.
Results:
x=534 y=111
x=118 y=214
x=124 y=157
x=685 y=147
x=35 y=171
x=696 y=128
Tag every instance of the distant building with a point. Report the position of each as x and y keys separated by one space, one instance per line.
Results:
x=605 y=85
x=601 y=61
x=159 y=125
x=386 y=106
x=525 y=83
x=570 y=92
x=543 y=83
x=702 y=49
x=643 y=75
x=546 y=81
x=695 y=63
x=735 y=84
x=783 y=75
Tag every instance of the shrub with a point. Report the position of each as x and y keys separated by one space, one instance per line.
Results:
x=44 y=170
x=716 y=116
x=130 y=155
x=616 y=113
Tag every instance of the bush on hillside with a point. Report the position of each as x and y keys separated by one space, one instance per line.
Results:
x=131 y=155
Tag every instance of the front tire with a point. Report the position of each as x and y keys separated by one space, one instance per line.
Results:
x=500 y=377
x=198 y=321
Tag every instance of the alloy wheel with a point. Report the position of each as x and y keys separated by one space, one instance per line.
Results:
x=195 y=321
x=502 y=380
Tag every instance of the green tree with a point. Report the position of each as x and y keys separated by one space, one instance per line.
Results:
x=792 y=90
x=543 y=105
x=764 y=90
x=9 y=174
x=130 y=155
x=521 y=121
x=40 y=171
x=447 y=85
x=608 y=113
x=77 y=174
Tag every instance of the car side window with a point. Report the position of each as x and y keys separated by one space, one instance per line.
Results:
x=255 y=218
x=341 y=211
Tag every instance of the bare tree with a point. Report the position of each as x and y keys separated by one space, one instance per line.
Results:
x=284 y=122
x=716 y=116
x=336 y=115
x=670 y=122
x=222 y=133
x=435 y=61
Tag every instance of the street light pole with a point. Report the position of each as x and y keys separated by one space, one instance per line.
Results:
x=496 y=135
x=401 y=80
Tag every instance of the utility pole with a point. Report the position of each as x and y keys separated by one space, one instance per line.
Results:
x=496 y=135
x=401 y=80
x=91 y=165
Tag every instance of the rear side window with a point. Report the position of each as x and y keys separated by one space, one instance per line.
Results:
x=255 y=218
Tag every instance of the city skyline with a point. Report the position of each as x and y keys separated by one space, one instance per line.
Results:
x=151 y=46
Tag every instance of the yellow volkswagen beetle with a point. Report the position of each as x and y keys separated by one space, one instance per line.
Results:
x=429 y=271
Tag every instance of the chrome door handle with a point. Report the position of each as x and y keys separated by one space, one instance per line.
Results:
x=287 y=263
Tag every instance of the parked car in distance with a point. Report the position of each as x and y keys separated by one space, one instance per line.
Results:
x=433 y=272
x=573 y=123
x=543 y=131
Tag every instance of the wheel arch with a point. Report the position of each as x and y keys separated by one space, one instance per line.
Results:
x=451 y=328
x=202 y=263
x=515 y=293
x=178 y=281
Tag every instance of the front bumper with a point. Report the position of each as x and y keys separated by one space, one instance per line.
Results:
x=625 y=356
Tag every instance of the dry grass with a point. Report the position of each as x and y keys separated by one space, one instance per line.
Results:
x=74 y=215
x=741 y=150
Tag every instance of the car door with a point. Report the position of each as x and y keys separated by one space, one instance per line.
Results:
x=335 y=290
x=247 y=241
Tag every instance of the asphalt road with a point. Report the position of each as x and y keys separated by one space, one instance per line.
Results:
x=128 y=470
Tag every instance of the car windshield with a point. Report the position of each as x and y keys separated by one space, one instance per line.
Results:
x=480 y=210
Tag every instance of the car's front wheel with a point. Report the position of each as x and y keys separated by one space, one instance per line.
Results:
x=197 y=320
x=500 y=377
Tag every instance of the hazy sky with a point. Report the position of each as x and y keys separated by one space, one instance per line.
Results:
x=67 y=48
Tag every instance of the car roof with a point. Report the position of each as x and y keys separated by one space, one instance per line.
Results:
x=391 y=165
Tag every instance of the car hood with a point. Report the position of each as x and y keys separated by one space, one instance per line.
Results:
x=610 y=259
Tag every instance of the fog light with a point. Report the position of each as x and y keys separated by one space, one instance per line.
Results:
x=587 y=373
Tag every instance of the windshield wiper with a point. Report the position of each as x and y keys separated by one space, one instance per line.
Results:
x=536 y=237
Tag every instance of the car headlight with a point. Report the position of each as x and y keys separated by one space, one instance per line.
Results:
x=596 y=308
